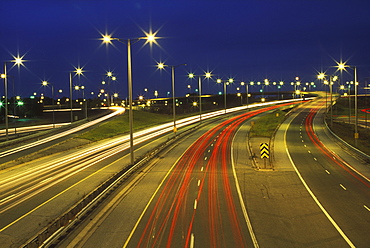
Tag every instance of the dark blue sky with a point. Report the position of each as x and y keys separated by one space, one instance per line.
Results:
x=246 y=40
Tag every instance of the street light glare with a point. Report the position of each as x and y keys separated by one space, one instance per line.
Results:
x=79 y=71
x=321 y=75
x=160 y=65
x=18 y=60
x=44 y=83
x=107 y=39
x=341 y=66
x=191 y=75
x=208 y=75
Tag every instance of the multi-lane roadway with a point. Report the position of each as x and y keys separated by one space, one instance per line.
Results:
x=204 y=192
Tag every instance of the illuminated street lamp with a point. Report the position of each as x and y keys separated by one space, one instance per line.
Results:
x=342 y=66
x=46 y=83
x=226 y=82
x=332 y=79
x=150 y=38
x=78 y=71
x=162 y=66
x=17 y=61
x=206 y=75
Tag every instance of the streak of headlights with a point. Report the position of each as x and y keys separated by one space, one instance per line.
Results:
x=73 y=130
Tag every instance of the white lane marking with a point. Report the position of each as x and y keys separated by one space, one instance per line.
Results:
x=309 y=151
x=198 y=182
x=201 y=169
x=367 y=208
x=342 y=186
x=340 y=231
x=205 y=158
x=327 y=172
x=242 y=204
x=195 y=204
x=211 y=144
x=315 y=159
x=192 y=240
x=209 y=150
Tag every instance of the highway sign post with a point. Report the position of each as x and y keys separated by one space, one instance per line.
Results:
x=265 y=152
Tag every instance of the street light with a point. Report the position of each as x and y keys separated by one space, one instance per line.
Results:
x=342 y=66
x=17 y=61
x=150 y=38
x=332 y=79
x=46 y=83
x=78 y=71
x=206 y=75
x=162 y=66
x=226 y=82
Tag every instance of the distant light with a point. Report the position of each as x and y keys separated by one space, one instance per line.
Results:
x=160 y=66
x=321 y=75
x=107 y=39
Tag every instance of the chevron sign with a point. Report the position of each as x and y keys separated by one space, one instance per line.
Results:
x=264 y=149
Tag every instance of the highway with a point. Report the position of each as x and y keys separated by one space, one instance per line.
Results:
x=211 y=196
x=341 y=193
x=196 y=204
x=203 y=192
x=35 y=193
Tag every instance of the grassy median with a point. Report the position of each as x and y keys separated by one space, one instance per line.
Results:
x=120 y=125
x=266 y=125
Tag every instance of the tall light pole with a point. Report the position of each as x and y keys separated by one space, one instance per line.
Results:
x=150 y=38
x=78 y=71
x=206 y=75
x=162 y=66
x=342 y=66
x=46 y=83
x=225 y=82
x=17 y=61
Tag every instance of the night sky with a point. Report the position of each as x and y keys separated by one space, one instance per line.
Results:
x=245 y=40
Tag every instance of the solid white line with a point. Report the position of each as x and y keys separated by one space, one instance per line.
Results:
x=340 y=231
x=242 y=204
x=192 y=240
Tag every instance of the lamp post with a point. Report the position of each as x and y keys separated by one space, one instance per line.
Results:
x=332 y=79
x=150 y=38
x=246 y=91
x=226 y=82
x=161 y=66
x=17 y=61
x=46 y=83
x=206 y=75
x=78 y=71
x=342 y=66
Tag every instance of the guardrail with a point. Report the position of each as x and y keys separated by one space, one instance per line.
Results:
x=67 y=220
x=356 y=152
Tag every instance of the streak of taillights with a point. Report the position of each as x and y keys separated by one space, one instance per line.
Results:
x=333 y=157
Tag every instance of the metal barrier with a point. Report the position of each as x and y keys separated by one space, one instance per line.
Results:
x=66 y=221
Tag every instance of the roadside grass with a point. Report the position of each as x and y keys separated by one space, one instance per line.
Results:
x=120 y=125
x=346 y=132
x=343 y=129
x=266 y=125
